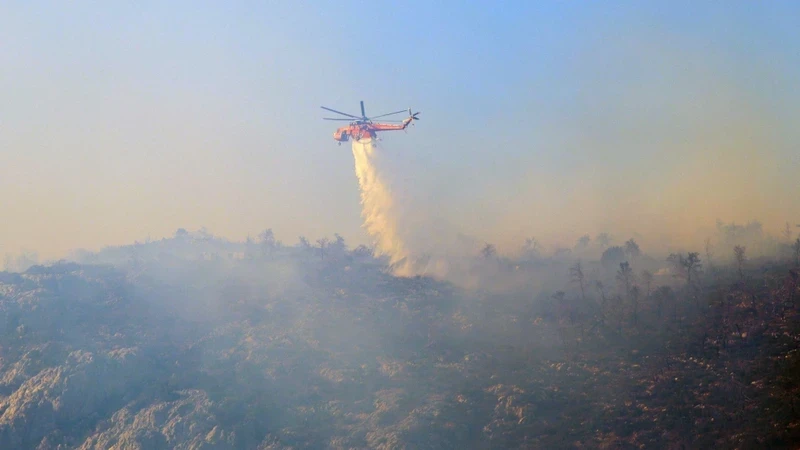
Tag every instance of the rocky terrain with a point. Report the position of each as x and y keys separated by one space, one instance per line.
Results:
x=193 y=344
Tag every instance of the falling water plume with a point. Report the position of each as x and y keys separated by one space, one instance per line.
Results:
x=378 y=209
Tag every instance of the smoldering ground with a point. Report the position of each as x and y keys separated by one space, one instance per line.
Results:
x=259 y=343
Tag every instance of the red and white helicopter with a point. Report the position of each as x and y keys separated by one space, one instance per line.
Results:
x=363 y=127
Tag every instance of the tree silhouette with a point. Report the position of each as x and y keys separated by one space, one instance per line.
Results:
x=268 y=243
x=626 y=277
x=632 y=249
x=688 y=266
x=323 y=244
x=338 y=247
x=583 y=242
x=531 y=247
x=613 y=256
x=577 y=276
x=739 y=254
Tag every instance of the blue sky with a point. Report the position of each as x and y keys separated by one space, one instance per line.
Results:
x=121 y=121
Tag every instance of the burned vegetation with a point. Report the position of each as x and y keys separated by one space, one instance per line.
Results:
x=195 y=342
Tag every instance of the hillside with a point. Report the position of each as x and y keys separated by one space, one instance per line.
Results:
x=144 y=348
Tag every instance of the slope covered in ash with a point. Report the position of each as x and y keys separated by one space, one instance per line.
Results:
x=192 y=343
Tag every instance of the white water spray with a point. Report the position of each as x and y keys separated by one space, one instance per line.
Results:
x=377 y=205
x=378 y=210
x=408 y=254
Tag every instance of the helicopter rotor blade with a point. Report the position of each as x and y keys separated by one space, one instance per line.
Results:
x=339 y=112
x=388 y=114
x=363 y=114
x=337 y=118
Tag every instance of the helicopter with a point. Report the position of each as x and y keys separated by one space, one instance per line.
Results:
x=363 y=127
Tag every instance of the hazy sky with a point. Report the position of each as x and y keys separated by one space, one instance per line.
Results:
x=123 y=121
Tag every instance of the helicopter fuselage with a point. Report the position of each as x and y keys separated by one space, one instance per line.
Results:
x=363 y=130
